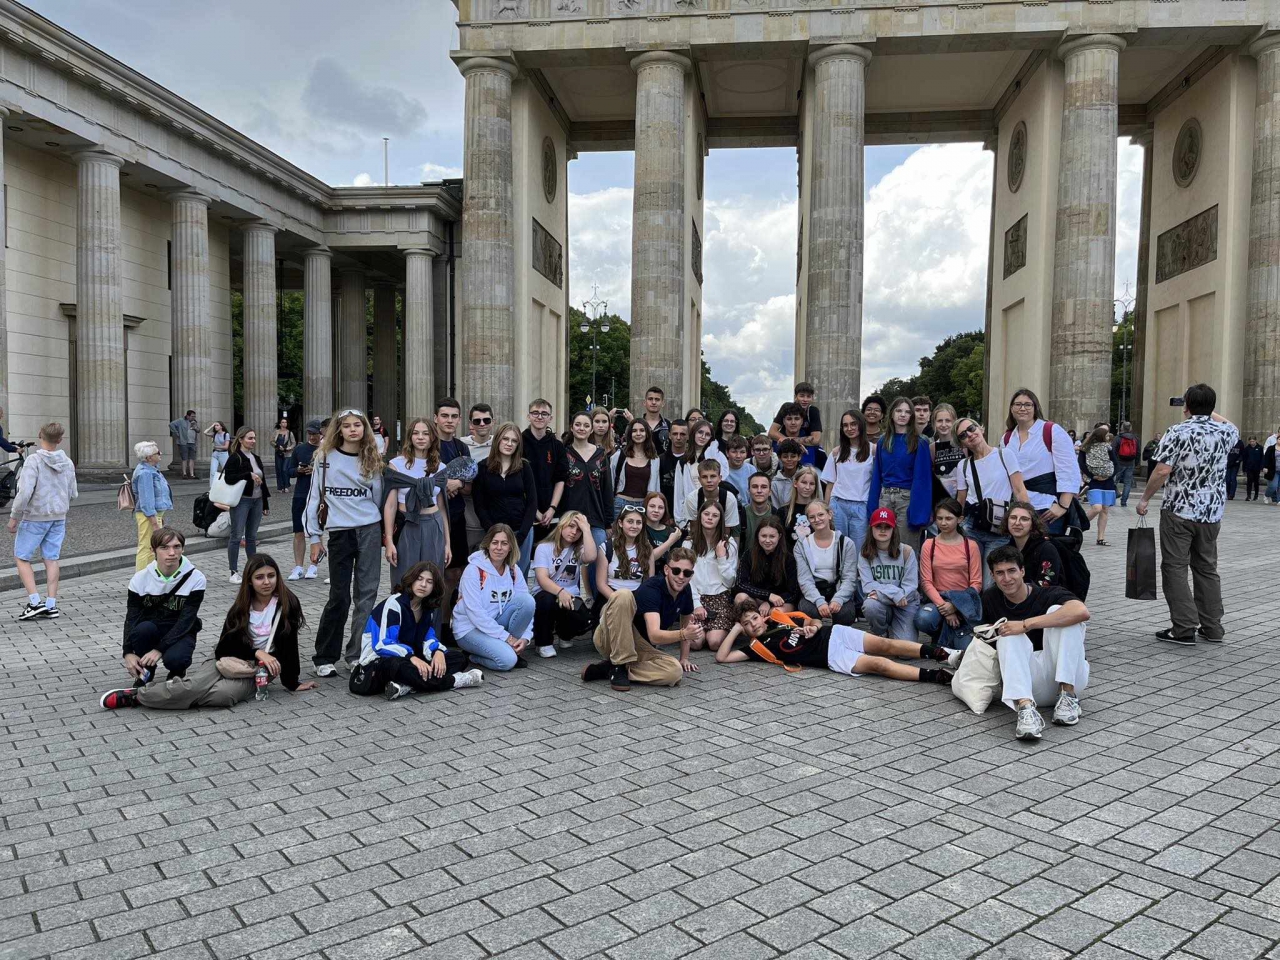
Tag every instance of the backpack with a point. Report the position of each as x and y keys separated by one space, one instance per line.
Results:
x=1098 y=460
x=125 y=498
x=1075 y=571
x=1128 y=449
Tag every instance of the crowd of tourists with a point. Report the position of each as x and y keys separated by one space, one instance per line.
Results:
x=911 y=532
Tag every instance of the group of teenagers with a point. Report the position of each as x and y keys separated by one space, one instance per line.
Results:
x=646 y=533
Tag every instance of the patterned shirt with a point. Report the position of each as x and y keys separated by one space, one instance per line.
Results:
x=1196 y=453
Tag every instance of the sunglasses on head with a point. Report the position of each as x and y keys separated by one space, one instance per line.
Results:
x=681 y=571
x=632 y=508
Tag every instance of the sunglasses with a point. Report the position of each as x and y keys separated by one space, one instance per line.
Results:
x=351 y=412
x=632 y=508
x=481 y=421
x=966 y=431
x=681 y=571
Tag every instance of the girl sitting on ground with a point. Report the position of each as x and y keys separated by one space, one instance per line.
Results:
x=950 y=564
x=663 y=535
x=715 y=570
x=627 y=559
x=890 y=574
x=827 y=569
x=559 y=562
x=767 y=570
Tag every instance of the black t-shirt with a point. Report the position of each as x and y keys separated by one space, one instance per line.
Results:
x=667 y=464
x=790 y=646
x=451 y=450
x=1037 y=604
x=812 y=422
x=652 y=596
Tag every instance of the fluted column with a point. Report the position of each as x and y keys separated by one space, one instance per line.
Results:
x=441 y=345
x=317 y=335
x=833 y=327
x=657 y=229
x=487 y=291
x=191 y=336
x=419 y=349
x=4 y=318
x=1133 y=404
x=353 y=345
x=1085 y=236
x=1262 y=316
x=100 y=364
x=261 y=386
x=386 y=362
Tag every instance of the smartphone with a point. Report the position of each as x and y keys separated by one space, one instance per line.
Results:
x=1177 y=401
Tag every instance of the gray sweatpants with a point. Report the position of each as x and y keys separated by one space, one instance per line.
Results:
x=203 y=686
x=1183 y=544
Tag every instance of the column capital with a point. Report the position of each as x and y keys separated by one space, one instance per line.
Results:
x=418 y=251
x=320 y=251
x=1094 y=41
x=4 y=112
x=992 y=142
x=1144 y=139
x=840 y=51
x=348 y=270
x=187 y=195
x=488 y=65
x=384 y=282
x=1263 y=44
x=97 y=155
x=661 y=56
x=259 y=226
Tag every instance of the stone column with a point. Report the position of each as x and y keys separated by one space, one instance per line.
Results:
x=100 y=365
x=261 y=386
x=317 y=335
x=992 y=143
x=1085 y=237
x=833 y=329
x=419 y=349
x=4 y=319
x=386 y=360
x=353 y=348
x=657 y=230
x=192 y=340
x=441 y=344
x=1133 y=405
x=487 y=290
x=1262 y=313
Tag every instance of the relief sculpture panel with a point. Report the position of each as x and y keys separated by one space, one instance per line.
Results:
x=1190 y=244
x=1015 y=247
x=548 y=254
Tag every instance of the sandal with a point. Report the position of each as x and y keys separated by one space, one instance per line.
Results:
x=1104 y=543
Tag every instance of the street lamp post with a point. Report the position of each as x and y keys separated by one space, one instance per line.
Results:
x=593 y=308
x=1125 y=302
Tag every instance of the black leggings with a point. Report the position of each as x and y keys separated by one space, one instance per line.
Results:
x=1251 y=484
x=368 y=680
x=550 y=619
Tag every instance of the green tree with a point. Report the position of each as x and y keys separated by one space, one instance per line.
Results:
x=1122 y=371
x=288 y=357
x=716 y=400
x=954 y=373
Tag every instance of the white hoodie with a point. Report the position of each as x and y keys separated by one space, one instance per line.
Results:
x=46 y=487
x=483 y=594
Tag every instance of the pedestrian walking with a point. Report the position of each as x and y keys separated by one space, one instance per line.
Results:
x=1126 y=449
x=1251 y=460
x=283 y=443
x=38 y=517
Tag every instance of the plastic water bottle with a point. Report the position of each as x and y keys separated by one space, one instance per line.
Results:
x=260 y=683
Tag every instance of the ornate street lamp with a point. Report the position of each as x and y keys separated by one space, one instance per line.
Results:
x=593 y=308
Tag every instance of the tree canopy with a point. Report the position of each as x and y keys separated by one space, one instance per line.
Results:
x=953 y=374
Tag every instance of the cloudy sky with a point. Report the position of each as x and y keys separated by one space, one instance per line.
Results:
x=322 y=86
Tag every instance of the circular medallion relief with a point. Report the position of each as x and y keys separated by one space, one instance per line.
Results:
x=702 y=150
x=549 y=175
x=1017 y=156
x=1186 y=152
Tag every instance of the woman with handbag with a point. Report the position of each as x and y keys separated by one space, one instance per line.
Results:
x=422 y=537
x=152 y=498
x=505 y=490
x=1047 y=454
x=987 y=480
x=347 y=503
x=559 y=565
x=284 y=444
x=1098 y=466
x=260 y=634
x=251 y=504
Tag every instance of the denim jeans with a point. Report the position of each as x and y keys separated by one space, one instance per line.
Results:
x=497 y=654
x=1124 y=482
x=1273 y=487
x=245 y=517
x=988 y=542
x=354 y=553
x=885 y=619
x=526 y=553
x=929 y=620
x=851 y=519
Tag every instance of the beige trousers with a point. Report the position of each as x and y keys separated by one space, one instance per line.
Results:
x=620 y=642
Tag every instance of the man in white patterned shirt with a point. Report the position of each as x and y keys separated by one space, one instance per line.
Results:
x=1191 y=464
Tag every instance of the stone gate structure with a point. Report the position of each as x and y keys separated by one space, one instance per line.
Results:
x=1047 y=85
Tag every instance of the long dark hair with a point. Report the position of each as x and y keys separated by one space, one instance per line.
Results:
x=846 y=448
x=696 y=454
x=647 y=449
x=771 y=566
x=433 y=599
x=238 y=616
x=1009 y=422
x=912 y=433
x=701 y=545
x=719 y=432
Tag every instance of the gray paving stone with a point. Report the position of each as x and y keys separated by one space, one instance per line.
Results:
x=1148 y=938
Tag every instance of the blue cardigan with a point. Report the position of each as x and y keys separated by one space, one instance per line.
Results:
x=898 y=462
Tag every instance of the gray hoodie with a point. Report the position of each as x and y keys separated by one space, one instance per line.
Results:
x=46 y=487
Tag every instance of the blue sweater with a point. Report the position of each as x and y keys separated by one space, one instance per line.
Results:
x=909 y=471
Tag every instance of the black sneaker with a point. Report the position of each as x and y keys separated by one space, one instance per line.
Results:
x=1201 y=635
x=1167 y=636
x=596 y=671
x=621 y=679
x=34 y=611
x=115 y=699
x=52 y=613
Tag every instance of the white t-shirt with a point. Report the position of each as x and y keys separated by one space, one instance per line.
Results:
x=260 y=624
x=380 y=442
x=1037 y=460
x=993 y=473
x=418 y=471
x=822 y=560
x=631 y=570
x=562 y=568
x=852 y=479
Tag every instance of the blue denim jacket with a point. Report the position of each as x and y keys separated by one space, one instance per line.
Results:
x=151 y=490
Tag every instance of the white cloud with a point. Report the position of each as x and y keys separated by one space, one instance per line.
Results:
x=1128 y=218
x=362 y=180
x=600 y=247
x=436 y=171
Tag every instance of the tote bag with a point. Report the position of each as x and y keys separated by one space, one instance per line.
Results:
x=226 y=494
x=977 y=682
x=1140 y=563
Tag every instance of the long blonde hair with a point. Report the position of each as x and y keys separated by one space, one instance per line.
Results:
x=370 y=458
x=804 y=471
x=410 y=453
x=556 y=537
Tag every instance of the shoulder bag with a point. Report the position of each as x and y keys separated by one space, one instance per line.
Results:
x=977 y=681
x=986 y=514
x=125 y=500
x=322 y=511
x=223 y=493
x=235 y=668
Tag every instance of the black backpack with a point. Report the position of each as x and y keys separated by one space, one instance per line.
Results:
x=1075 y=571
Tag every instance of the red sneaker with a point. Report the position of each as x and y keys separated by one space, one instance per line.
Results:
x=116 y=699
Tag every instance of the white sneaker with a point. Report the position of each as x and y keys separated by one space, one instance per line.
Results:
x=295 y=573
x=236 y=578
x=395 y=690
x=468 y=678
x=1030 y=723
x=311 y=573
x=326 y=670
x=953 y=657
x=1067 y=711
x=326 y=579
x=548 y=651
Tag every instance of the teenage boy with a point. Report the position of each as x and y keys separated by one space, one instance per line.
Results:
x=185 y=431
x=793 y=429
x=923 y=408
x=479 y=443
x=759 y=505
x=789 y=455
x=303 y=454
x=763 y=459
x=678 y=437
x=709 y=488
x=843 y=649
x=448 y=416
x=1041 y=647
x=809 y=433
x=162 y=614
x=546 y=456
x=737 y=471
x=634 y=623
x=38 y=517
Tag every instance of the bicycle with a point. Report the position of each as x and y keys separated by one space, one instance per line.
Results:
x=9 y=480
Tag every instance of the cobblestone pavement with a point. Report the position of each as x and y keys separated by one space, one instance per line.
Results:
x=746 y=813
